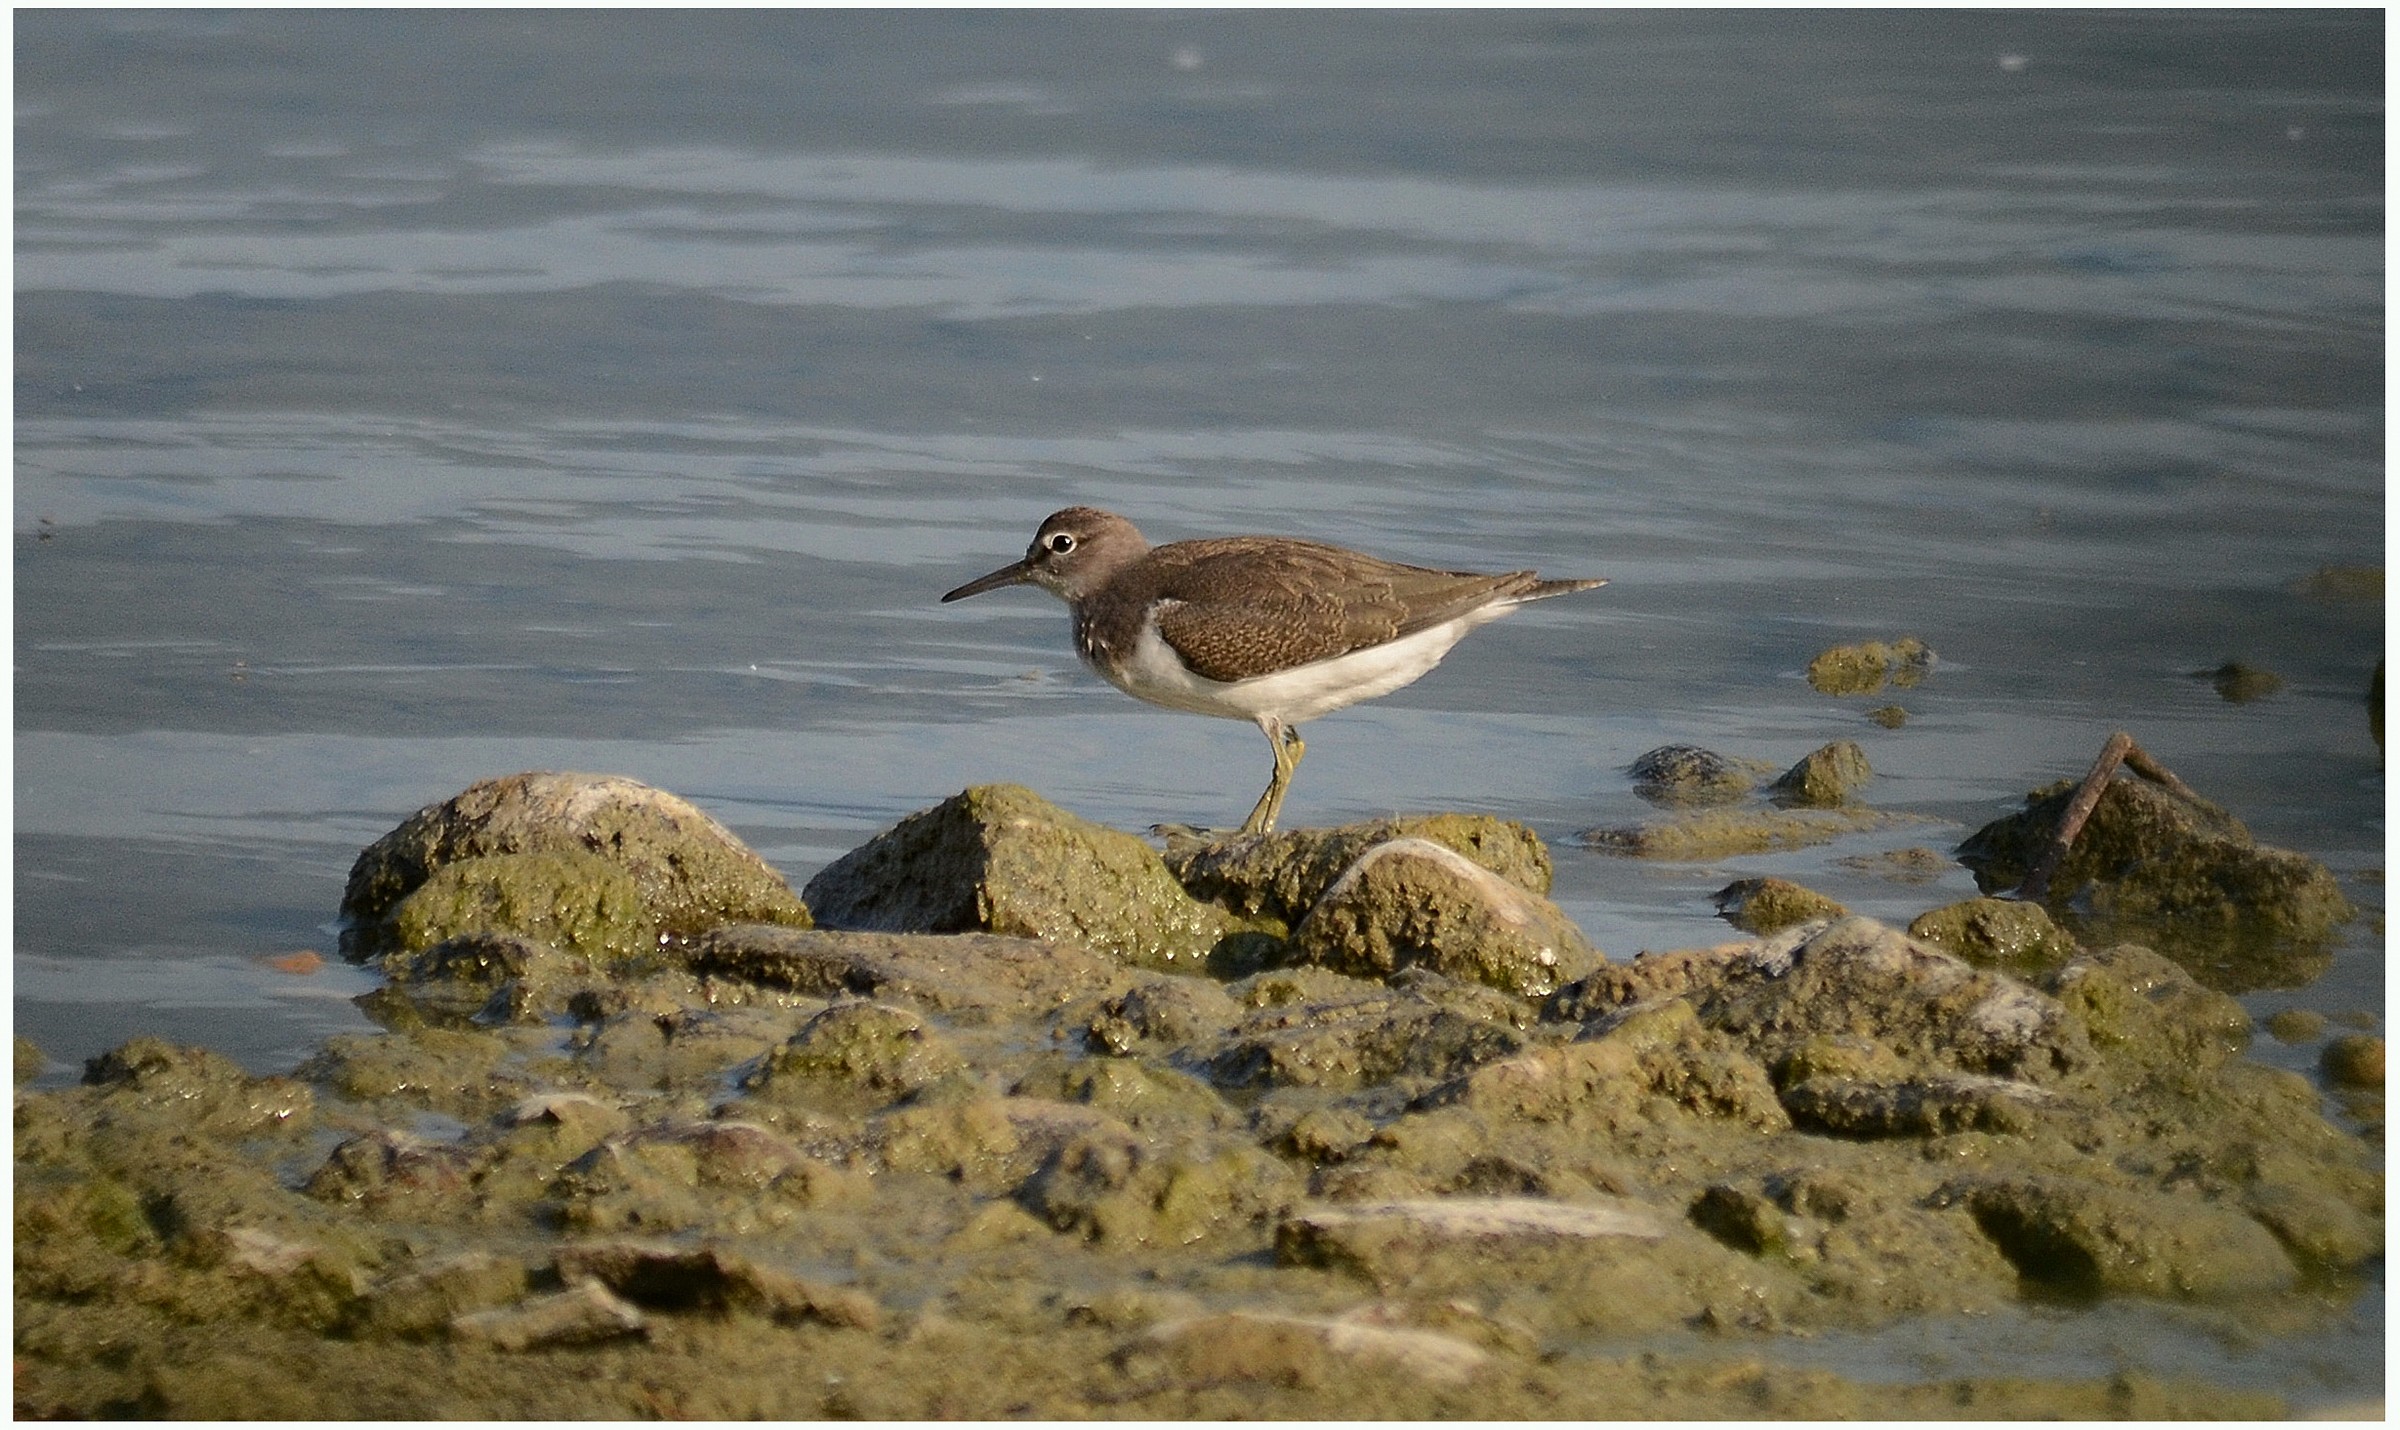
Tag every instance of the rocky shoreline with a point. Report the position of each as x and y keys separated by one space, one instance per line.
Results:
x=1009 y=1114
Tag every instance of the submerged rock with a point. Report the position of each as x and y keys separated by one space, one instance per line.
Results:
x=1721 y=833
x=1676 y=775
x=687 y=871
x=1826 y=778
x=1001 y=859
x=1864 y=668
x=2239 y=684
x=2179 y=874
x=1766 y=905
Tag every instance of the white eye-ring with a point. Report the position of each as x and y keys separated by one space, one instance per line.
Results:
x=1060 y=543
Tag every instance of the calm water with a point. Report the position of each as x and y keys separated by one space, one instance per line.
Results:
x=408 y=398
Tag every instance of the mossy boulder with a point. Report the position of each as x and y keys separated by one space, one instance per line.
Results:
x=1412 y=903
x=2007 y=934
x=2182 y=875
x=687 y=872
x=578 y=903
x=1001 y=859
x=1278 y=878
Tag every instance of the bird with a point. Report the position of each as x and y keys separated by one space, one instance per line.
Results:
x=1275 y=630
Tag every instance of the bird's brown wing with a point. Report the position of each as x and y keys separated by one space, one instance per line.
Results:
x=1236 y=609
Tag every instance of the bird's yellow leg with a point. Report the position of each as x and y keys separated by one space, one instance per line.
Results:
x=1288 y=748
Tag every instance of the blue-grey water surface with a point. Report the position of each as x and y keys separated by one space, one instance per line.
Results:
x=405 y=398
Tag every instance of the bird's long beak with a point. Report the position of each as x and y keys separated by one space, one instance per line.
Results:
x=1016 y=573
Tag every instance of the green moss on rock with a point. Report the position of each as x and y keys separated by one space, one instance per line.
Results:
x=2181 y=875
x=1996 y=933
x=1001 y=859
x=1279 y=877
x=1410 y=902
x=1766 y=905
x=1864 y=668
x=1827 y=777
x=689 y=872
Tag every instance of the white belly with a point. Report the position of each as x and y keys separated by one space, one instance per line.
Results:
x=1300 y=693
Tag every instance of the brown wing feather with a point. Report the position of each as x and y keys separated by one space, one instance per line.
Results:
x=1232 y=615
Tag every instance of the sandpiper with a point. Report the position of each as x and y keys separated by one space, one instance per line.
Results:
x=1270 y=629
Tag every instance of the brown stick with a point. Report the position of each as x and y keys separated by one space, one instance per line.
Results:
x=2120 y=750
x=2070 y=824
x=2138 y=760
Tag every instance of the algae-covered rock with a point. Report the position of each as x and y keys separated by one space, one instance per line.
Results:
x=1655 y=1057
x=1279 y=877
x=2354 y=1060
x=1410 y=902
x=1392 y=1240
x=1766 y=905
x=202 y=1092
x=1855 y=977
x=1722 y=833
x=689 y=872
x=664 y=1277
x=730 y=1176
x=446 y=1070
x=1001 y=859
x=1126 y=1192
x=399 y=1173
x=1167 y=1010
x=489 y=977
x=974 y=976
x=2239 y=684
x=856 y=1052
x=1920 y=1107
x=1676 y=775
x=1863 y=669
x=2146 y=1011
x=1153 y=1099
x=2089 y=1238
x=421 y=1301
x=1915 y=864
x=580 y=904
x=2006 y=934
x=1827 y=777
x=2179 y=874
x=1348 y=1034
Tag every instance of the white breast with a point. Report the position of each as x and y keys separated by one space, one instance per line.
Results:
x=1300 y=693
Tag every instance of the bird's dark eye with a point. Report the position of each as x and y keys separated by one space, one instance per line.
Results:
x=1060 y=543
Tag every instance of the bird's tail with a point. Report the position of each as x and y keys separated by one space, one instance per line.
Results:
x=1536 y=590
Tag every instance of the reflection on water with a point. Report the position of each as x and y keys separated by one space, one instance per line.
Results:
x=405 y=398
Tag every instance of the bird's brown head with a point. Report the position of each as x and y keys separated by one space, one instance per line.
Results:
x=1073 y=554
